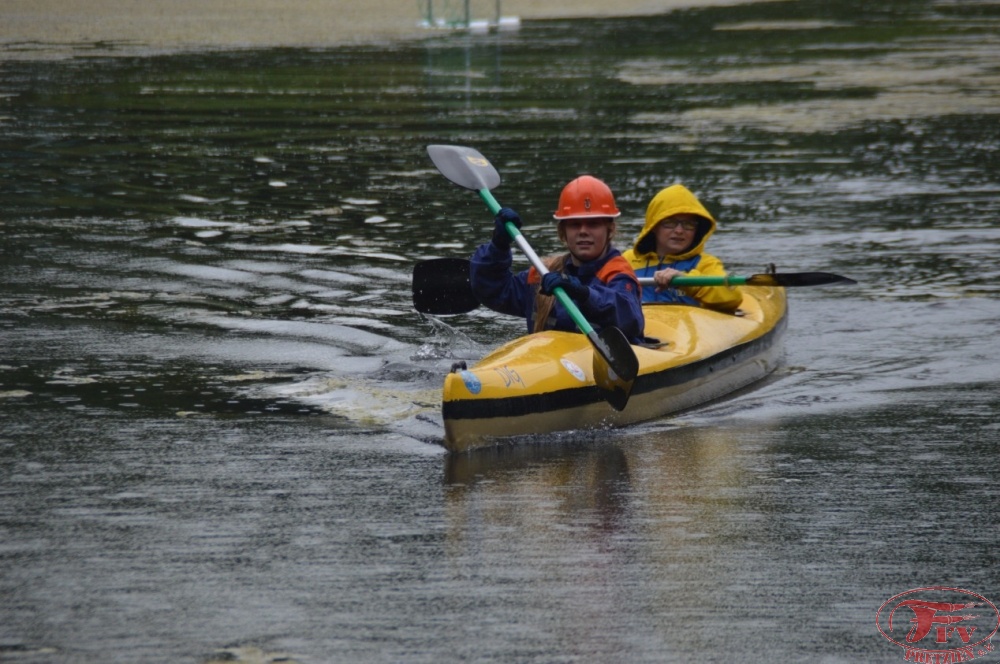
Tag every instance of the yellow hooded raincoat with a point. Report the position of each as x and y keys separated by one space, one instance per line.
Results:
x=677 y=199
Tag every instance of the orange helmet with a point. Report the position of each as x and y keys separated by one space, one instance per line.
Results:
x=586 y=196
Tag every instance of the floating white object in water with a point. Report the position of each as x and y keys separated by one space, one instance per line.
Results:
x=278 y=183
x=200 y=199
x=509 y=23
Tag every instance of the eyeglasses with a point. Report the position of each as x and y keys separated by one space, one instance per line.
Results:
x=686 y=224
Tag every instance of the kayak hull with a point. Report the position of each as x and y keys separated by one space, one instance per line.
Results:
x=543 y=383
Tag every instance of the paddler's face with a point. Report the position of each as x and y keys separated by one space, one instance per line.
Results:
x=675 y=234
x=587 y=239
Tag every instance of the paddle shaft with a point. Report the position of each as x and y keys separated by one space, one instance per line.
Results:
x=684 y=280
x=773 y=279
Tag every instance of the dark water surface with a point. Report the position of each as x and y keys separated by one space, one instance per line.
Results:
x=219 y=412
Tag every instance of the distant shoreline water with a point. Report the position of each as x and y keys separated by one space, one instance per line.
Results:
x=54 y=29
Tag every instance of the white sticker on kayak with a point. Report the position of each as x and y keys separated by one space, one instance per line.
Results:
x=472 y=383
x=575 y=370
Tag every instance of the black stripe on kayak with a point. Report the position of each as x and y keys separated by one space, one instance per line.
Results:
x=584 y=396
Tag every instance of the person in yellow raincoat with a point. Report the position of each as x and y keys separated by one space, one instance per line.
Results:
x=672 y=242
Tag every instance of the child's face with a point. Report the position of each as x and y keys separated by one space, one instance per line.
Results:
x=587 y=239
x=675 y=234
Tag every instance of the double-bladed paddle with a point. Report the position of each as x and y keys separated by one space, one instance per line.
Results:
x=441 y=285
x=615 y=363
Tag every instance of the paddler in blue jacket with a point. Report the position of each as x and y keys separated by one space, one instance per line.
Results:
x=672 y=242
x=594 y=274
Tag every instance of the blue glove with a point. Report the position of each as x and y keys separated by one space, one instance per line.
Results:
x=577 y=291
x=501 y=238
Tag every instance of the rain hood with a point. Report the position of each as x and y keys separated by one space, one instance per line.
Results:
x=675 y=199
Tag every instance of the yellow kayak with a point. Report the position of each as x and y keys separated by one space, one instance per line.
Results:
x=543 y=383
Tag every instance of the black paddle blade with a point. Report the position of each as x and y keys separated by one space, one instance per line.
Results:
x=615 y=366
x=464 y=166
x=441 y=286
x=794 y=279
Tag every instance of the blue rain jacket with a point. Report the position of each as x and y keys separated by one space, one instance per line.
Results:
x=615 y=298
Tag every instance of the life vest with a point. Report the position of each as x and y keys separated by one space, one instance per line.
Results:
x=611 y=268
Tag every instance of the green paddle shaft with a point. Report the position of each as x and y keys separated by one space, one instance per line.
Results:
x=682 y=280
x=773 y=279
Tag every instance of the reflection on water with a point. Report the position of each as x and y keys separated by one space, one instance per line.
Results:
x=611 y=486
x=219 y=412
x=699 y=540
